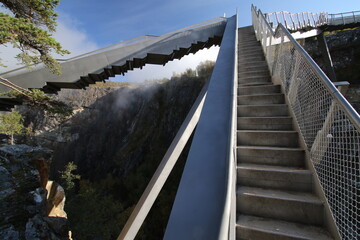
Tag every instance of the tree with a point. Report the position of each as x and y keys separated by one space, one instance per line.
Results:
x=28 y=29
x=68 y=176
x=11 y=124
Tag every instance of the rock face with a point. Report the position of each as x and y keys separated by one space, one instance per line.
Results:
x=344 y=47
x=23 y=204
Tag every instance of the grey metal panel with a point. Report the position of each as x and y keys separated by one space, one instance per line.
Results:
x=200 y=200
x=161 y=49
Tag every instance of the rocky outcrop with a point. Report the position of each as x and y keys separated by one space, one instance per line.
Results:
x=23 y=204
x=344 y=47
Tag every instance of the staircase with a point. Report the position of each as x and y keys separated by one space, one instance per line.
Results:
x=274 y=190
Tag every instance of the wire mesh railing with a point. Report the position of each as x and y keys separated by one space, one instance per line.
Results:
x=329 y=125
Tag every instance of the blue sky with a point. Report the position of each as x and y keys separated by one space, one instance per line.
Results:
x=86 y=25
x=110 y=21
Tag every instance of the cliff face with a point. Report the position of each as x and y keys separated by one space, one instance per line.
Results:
x=23 y=201
x=344 y=47
x=117 y=138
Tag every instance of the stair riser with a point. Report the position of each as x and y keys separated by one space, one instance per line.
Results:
x=260 y=100
x=258 y=90
x=262 y=111
x=249 y=45
x=250 y=63
x=258 y=78
x=262 y=72
x=250 y=51
x=281 y=209
x=276 y=157
x=249 y=60
x=243 y=233
x=264 y=124
x=292 y=181
x=246 y=39
x=254 y=67
x=251 y=56
x=275 y=139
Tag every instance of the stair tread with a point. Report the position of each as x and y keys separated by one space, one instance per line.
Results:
x=298 y=196
x=283 y=228
x=279 y=117
x=261 y=94
x=264 y=105
x=269 y=85
x=255 y=84
x=271 y=148
x=263 y=167
x=267 y=131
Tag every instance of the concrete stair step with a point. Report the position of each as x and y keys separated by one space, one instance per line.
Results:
x=300 y=207
x=267 y=138
x=255 y=83
x=247 y=40
x=268 y=89
x=250 y=73
x=249 y=44
x=251 y=227
x=274 y=177
x=260 y=99
x=258 y=78
x=252 y=50
x=269 y=110
x=292 y=157
x=264 y=123
x=245 y=59
x=250 y=62
x=257 y=55
x=253 y=67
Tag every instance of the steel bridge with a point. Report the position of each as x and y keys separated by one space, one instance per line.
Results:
x=275 y=153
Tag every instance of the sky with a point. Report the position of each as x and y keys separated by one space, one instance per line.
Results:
x=86 y=25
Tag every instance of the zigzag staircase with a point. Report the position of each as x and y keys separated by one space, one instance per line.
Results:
x=274 y=190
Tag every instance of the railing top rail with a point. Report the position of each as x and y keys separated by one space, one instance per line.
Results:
x=331 y=14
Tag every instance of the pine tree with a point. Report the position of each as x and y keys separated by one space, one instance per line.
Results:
x=11 y=124
x=28 y=28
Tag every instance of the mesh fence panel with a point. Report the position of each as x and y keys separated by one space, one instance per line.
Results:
x=332 y=137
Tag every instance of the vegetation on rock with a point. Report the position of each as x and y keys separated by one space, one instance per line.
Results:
x=12 y=124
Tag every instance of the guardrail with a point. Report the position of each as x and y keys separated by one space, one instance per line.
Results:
x=328 y=124
x=303 y=20
x=344 y=18
x=297 y=21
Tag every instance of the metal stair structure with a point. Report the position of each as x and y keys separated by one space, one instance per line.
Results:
x=275 y=153
x=274 y=188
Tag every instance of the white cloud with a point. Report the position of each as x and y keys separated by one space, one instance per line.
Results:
x=68 y=33
x=152 y=72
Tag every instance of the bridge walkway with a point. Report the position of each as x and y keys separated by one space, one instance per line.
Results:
x=275 y=199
